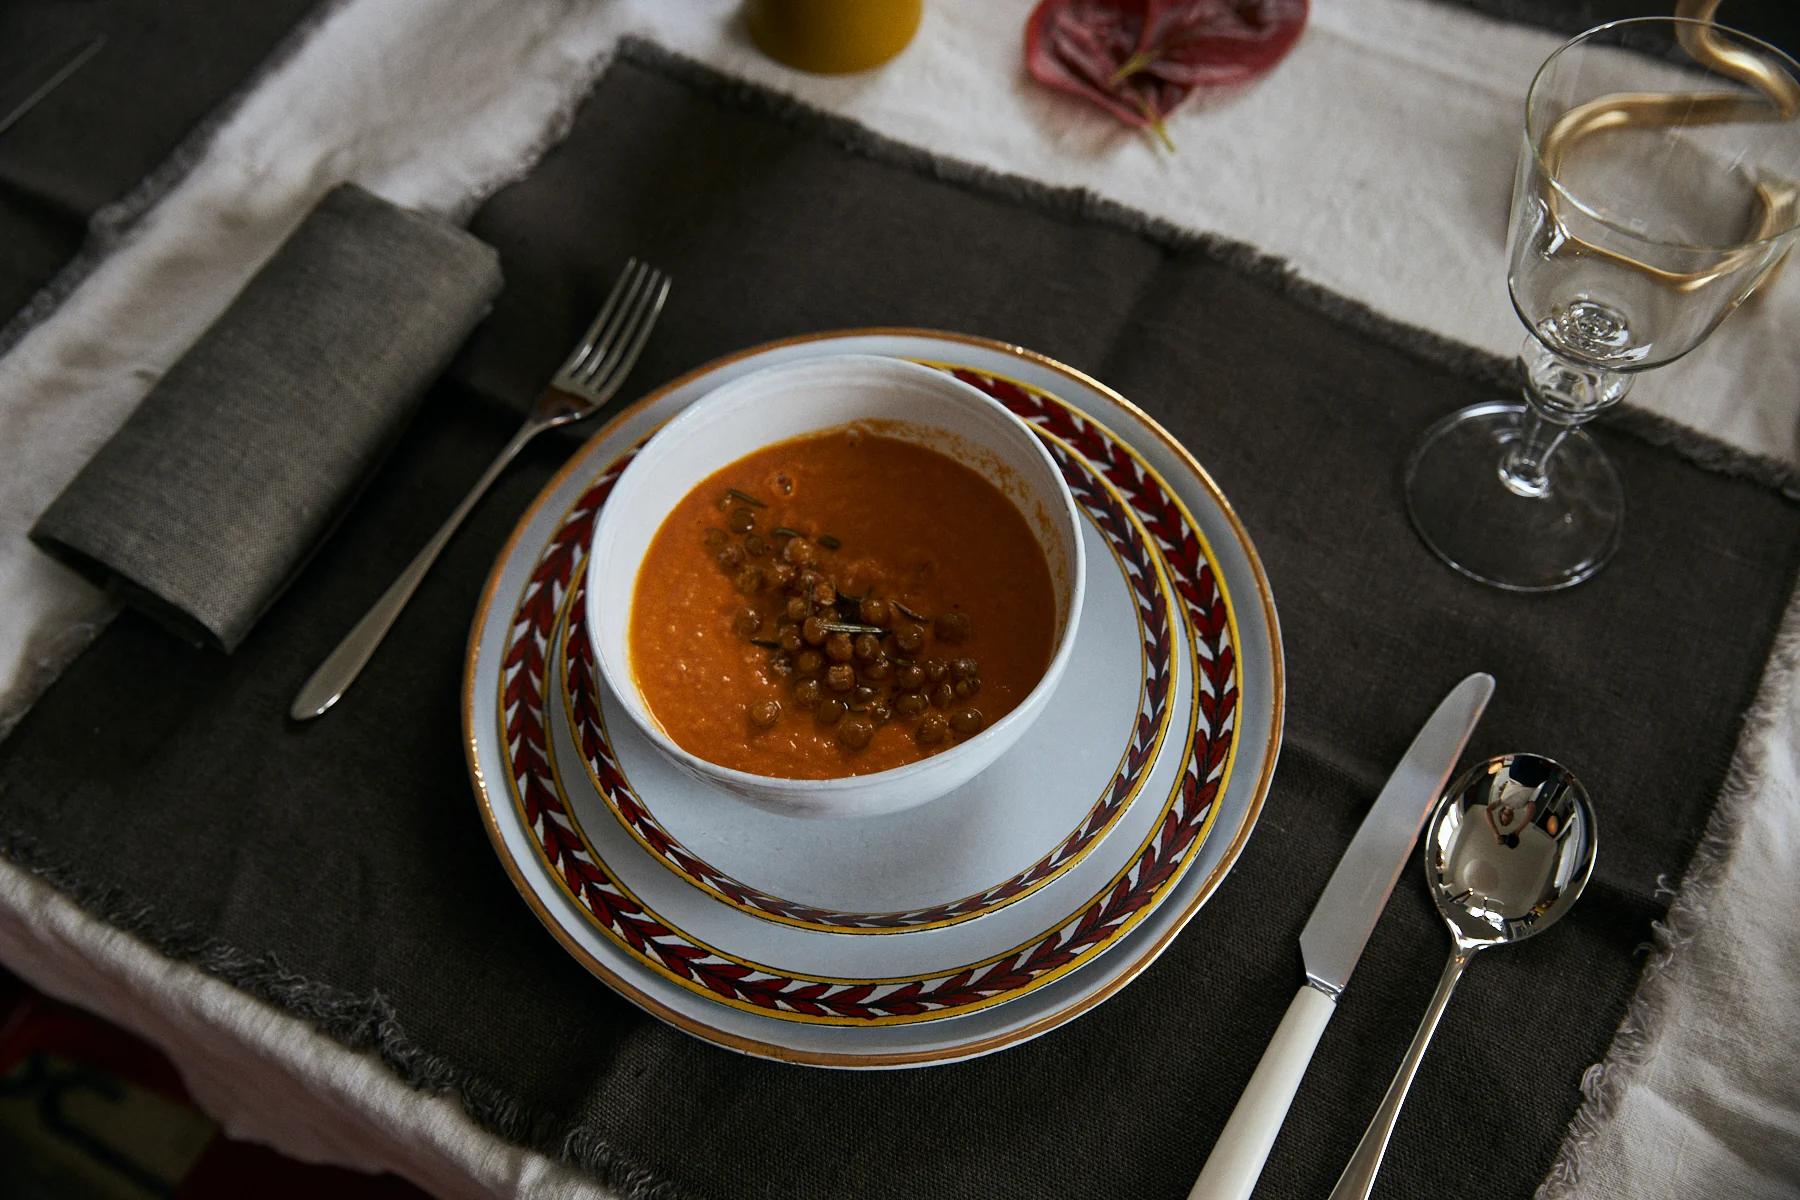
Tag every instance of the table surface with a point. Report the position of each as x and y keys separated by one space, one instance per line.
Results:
x=1396 y=119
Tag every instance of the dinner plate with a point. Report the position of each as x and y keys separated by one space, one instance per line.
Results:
x=797 y=989
x=808 y=975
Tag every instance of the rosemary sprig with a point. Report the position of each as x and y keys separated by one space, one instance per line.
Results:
x=907 y=612
x=766 y=643
x=743 y=498
x=784 y=531
x=852 y=627
x=829 y=542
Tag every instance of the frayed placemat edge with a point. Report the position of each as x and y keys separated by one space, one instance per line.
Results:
x=1080 y=204
x=369 y=1023
x=360 y=1023
x=46 y=658
x=1603 y=1085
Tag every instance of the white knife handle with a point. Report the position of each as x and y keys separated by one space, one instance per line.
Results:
x=1237 y=1158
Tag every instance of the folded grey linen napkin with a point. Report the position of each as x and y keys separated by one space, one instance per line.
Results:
x=212 y=495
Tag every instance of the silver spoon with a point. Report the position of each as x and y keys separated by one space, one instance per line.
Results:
x=1509 y=849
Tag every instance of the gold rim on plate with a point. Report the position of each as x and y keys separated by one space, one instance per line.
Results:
x=1143 y=955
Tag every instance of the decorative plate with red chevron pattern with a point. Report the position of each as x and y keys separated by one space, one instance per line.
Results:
x=1067 y=868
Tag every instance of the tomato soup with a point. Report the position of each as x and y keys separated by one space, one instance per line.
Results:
x=838 y=604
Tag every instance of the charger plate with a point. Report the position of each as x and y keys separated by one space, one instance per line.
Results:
x=555 y=787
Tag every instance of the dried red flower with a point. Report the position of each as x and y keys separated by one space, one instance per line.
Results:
x=1139 y=59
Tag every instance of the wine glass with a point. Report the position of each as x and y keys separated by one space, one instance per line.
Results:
x=1658 y=186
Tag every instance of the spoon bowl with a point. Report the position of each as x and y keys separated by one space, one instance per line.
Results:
x=1509 y=849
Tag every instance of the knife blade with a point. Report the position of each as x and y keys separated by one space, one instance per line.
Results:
x=1334 y=936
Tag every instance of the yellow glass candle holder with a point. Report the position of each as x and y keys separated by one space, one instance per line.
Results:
x=832 y=37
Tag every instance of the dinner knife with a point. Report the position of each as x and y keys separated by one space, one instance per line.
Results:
x=1335 y=935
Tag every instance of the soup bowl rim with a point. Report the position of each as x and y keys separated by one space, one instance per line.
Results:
x=876 y=792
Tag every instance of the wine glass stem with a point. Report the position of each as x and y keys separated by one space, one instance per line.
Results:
x=1560 y=394
x=1525 y=467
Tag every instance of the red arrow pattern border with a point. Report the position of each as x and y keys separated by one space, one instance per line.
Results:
x=524 y=683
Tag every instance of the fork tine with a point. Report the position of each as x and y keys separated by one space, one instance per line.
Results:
x=629 y=338
x=609 y=337
x=633 y=268
x=608 y=341
x=631 y=344
x=619 y=336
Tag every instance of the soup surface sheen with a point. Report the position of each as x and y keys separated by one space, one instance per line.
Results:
x=839 y=604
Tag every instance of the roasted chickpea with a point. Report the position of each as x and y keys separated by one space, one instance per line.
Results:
x=909 y=638
x=839 y=648
x=806 y=693
x=790 y=639
x=936 y=669
x=824 y=594
x=830 y=712
x=878 y=668
x=967 y=721
x=910 y=704
x=765 y=713
x=866 y=647
x=813 y=631
x=861 y=696
x=953 y=628
x=809 y=662
x=741 y=520
x=781 y=575
x=797 y=608
x=856 y=732
x=781 y=666
x=747 y=621
x=730 y=557
x=933 y=729
x=880 y=713
x=749 y=580
x=798 y=551
x=754 y=546
x=840 y=677
x=965 y=688
x=965 y=668
x=910 y=676
x=942 y=695
x=875 y=611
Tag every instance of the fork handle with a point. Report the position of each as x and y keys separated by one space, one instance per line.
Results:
x=340 y=669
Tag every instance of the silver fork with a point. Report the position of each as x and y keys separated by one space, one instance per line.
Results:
x=582 y=386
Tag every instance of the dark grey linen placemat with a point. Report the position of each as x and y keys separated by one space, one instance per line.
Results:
x=339 y=869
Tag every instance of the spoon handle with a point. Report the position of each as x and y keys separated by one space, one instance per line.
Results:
x=1359 y=1175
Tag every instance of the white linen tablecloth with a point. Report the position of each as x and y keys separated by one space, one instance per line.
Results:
x=1377 y=160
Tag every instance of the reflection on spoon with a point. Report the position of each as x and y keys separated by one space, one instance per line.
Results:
x=1509 y=850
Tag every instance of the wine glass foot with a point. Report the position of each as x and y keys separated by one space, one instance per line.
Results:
x=1468 y=515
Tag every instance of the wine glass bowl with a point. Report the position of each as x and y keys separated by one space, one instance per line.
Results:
x=1658 y=186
